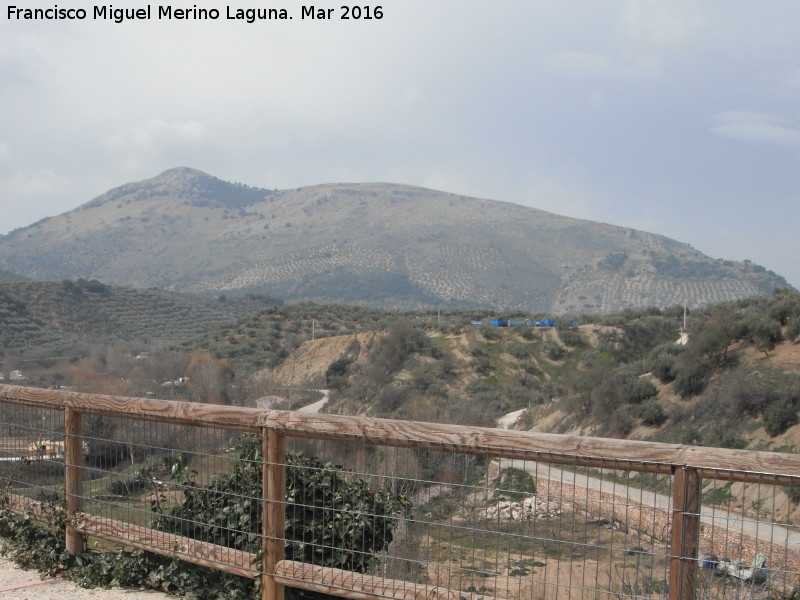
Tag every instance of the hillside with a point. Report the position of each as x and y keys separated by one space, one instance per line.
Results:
x=9 y=276
x=735 y=384
x=51 y=316
x=382 y=245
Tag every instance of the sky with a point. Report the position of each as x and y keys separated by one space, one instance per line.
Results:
x=680 y=118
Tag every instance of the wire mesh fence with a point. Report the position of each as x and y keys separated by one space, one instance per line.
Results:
x=369 y=508
x=32 y=451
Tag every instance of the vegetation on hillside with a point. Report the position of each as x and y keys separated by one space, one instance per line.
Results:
x=609 y=375
x=385 y=245
x=44 y=319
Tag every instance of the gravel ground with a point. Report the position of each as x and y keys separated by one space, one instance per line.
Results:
x=29 y=585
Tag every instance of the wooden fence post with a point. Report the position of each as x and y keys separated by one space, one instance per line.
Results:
x=685 y=533
x=274 y=511
x=73 y=475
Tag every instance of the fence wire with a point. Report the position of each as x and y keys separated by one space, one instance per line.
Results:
x=437 y=519
x=32 y=451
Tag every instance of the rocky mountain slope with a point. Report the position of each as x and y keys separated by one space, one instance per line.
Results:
x=379 y=244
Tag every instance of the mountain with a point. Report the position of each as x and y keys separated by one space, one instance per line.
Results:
x=378 y=244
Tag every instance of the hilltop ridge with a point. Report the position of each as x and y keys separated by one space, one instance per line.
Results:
x=377 y=244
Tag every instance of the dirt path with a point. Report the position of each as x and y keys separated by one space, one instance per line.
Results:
x=315 y=407
x=506 y=421
x=29 y=585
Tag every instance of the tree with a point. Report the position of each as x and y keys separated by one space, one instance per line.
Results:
x=763 y=332
x=710 y=343
x=208 y=378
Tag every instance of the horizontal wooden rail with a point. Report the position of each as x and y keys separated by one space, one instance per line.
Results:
x=164 y=543
x=18 y=504
x=687 y=464
x=771 y=468
x=358 y=586
x=188 y=549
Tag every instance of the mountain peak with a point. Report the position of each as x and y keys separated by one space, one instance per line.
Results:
x=381 y=244
x=179 y=176
x=178 y=181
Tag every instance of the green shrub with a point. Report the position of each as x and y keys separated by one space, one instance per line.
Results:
x=793 y=329
x=513 y=484
x=481 y=365
x=779 y=416
x=391 y=399
x=331 y=520
x=490 y=333
x=651 y=413
x=553 y=351
x=763 y=332
x=637 y=390
x=518 y=351
x=619 y=423
x=571 y=337
x=784 y=306
x=690 y=380
x=663 y=360
x=530 y=367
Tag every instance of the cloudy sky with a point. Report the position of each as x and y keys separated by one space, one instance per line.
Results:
x=680 y=118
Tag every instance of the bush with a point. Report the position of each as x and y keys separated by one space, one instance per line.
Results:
x=490 y=333
x=779 y=416
x=663 y=360
x=331 y=519
x=690 y=380
x=481 y=365
x=722 y=435
x=336 y=376
x=571 y=337
x=518 y=351
x=127 y=487
x=763 y=332
x=638 y=390
x=793 y=329
x=620 y=423
x=553 y=351
x=514 y=484
x=530 y=367
x=391 y=399
x=784 y=306
x=651 y=413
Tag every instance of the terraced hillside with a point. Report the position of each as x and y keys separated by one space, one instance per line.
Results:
x=385 y=245
x=39 y=315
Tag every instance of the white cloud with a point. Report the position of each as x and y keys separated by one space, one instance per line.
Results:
x=586 y=108
x=756 y=127
x=597 y=65
x=662 y=26
x=32 y=184
x=154 y=140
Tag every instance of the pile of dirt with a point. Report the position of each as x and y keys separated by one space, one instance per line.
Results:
x=306 y=366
